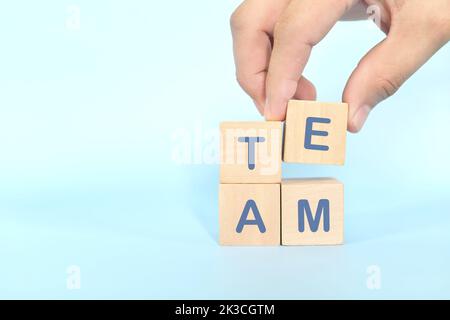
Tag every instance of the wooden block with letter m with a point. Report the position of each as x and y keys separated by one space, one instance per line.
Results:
x=312 y=212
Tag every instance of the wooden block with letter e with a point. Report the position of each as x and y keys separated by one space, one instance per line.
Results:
x=251 y=152
x=312 y=212
x=249 y=214
x=315 y=132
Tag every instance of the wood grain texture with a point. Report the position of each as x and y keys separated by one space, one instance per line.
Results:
x=312 y=190
x=232 y=200
x=295 y=150
x=235 y=154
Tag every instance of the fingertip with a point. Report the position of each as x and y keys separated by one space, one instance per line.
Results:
x=278 y=93
x=358 y=118
x=274 y=112
x=305 y=90
x=352 y=128
x=274 y=116
x=259 y=107
x=312 y=92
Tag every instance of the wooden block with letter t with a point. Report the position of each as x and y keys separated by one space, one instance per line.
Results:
x=251 y=152
x=315 y=132
x=312 y=212
x=249 y=214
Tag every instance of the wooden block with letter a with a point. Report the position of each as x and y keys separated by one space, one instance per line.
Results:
x=249 y=214
x=315 y=132
x=312 y=212
x=251 y=152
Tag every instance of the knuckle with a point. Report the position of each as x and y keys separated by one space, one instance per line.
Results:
x=347 y=4
x=440 y=26
x=289 y=28
x=432 y=21
x=387 y=86
x=283 y=29
x=395 y=6
x=242 y=80
x=237 y=19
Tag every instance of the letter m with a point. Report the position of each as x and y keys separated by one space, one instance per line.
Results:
x=323 y=209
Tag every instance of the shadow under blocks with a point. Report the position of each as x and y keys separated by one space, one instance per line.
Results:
x=258 y=207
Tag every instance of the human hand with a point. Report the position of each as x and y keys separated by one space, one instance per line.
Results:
x=272 y=42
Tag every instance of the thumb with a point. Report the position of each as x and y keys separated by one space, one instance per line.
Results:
x=383 y=70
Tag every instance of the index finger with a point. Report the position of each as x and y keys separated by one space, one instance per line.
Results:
x=303 y=24
x=251 y=25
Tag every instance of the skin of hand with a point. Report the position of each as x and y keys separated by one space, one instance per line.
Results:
x=273 y=39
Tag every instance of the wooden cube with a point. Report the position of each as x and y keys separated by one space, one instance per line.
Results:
x=312 y=212
x=249 y=214
x=315 y=132
x=251 y=152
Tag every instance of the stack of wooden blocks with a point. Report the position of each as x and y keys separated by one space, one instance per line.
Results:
x=257 y=207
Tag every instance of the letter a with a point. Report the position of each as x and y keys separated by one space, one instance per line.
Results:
x=250 y=205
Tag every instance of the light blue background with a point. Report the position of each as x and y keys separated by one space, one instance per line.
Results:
x=87 y=119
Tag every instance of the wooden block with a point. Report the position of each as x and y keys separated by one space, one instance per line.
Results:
x=249 y=214
x=312 y=212
x=251 y=152
x=315 y=132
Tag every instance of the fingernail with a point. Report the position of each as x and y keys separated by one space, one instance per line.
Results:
x=360 y=117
